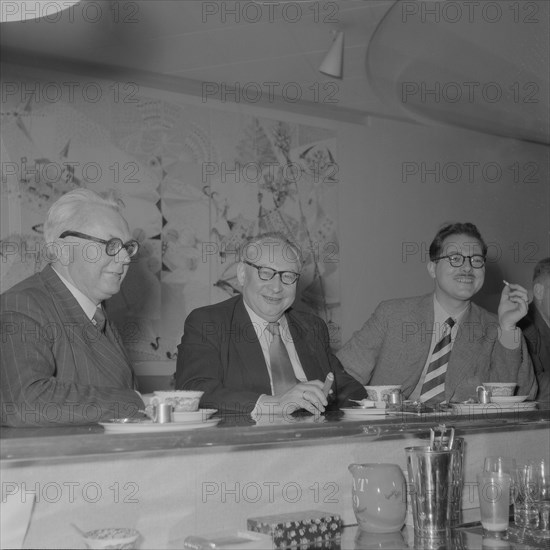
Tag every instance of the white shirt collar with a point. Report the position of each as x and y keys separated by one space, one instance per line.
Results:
x=85 y=303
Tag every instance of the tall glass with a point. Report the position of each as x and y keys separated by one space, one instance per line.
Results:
x=494 y=500
x=542 y=495
x=505 y=465
x=525 y=511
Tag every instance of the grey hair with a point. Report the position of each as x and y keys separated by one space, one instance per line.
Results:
x=270 y=239
x=74 y=209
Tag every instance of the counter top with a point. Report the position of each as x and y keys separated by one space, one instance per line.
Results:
x=58 y=443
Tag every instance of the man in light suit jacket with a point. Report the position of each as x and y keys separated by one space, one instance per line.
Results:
x=536 y=328
x=395 y=345
x=62 y=361
x=227 y=348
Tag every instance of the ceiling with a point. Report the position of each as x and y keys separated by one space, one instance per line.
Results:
x=276 y=46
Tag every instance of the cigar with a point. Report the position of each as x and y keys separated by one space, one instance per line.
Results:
x=506 y=282
x=328 y=383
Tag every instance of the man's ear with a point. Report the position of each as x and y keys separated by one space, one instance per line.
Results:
x=431 y=269
x=538 y=291
x=241 y=273
x=59 y=252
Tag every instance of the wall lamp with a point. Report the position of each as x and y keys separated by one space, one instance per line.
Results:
x=333 y=63
x=24 y=10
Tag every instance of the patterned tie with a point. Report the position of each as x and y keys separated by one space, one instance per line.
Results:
x=433 y=388
x=99 y=319
x=282 y=373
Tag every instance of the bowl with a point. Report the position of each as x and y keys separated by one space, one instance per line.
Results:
x=111 y=537
x=380 y=393
x=181 y=400
x=500 y=389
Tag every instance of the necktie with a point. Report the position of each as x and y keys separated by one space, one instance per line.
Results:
x=99 y=319
x=282 y=373
x=433 y=388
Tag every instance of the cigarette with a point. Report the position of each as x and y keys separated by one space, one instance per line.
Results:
x=506 y=282
x=328 y=383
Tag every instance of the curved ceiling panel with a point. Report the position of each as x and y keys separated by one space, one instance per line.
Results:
x=480 y=65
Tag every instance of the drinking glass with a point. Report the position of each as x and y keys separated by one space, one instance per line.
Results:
x=505 y=465
x=542 y=495
x=525 y=511
x=494 y=500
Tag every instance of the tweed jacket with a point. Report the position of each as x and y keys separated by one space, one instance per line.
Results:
x=56 y=367
x=393 y=345
x=221 y=355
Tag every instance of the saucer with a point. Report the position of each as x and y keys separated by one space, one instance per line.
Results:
x=491 y=408
x=509 y=399
x=359 y=413
x=147 y=426
x=193 y=416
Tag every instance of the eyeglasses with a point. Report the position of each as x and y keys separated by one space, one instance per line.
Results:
x=477 y=261
x=266 y=274
x=112 y=246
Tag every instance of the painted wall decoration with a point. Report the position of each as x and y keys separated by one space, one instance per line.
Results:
x=196 y=181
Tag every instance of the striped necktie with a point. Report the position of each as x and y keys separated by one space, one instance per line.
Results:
x=433 y=388
x=282 y=373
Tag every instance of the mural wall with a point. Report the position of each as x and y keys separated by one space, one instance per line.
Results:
x=196 y=180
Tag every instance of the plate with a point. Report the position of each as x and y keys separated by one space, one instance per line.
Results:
x=360 y=413
x=193 y=416
x=491 y=408
x=509 y=399
x=148 y=426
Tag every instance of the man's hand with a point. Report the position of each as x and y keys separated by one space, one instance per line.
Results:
x=513 y=305
x=304 y=395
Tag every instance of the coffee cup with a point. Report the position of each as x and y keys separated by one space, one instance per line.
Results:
x=181 y=400
x=500 y=389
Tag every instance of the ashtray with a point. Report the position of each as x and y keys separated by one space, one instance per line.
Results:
x=112 y=537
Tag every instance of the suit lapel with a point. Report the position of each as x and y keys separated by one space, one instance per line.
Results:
x=423 y=321
x=107 y=356
x=248 y=347
x=463 y=353
x=303 y=337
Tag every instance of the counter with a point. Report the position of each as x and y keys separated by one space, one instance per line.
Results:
x=172 y=484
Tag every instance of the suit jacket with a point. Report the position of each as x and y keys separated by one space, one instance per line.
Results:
x=221 y=355
x=56 y=367
x=393 y=345
x=537 y=335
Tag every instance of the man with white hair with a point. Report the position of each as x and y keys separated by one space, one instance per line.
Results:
x=254 y=353
x=62 y=360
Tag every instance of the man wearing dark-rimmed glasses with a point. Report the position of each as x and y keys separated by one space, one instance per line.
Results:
x=441 y=346
x=254 y=353
x=62 y=360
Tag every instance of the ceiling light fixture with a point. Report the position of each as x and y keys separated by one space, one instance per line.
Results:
x=333 y=63
x=24 y=10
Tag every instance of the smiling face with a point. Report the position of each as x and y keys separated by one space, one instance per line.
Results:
x=456 y=285
x=86 y=265
x=268 y=299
